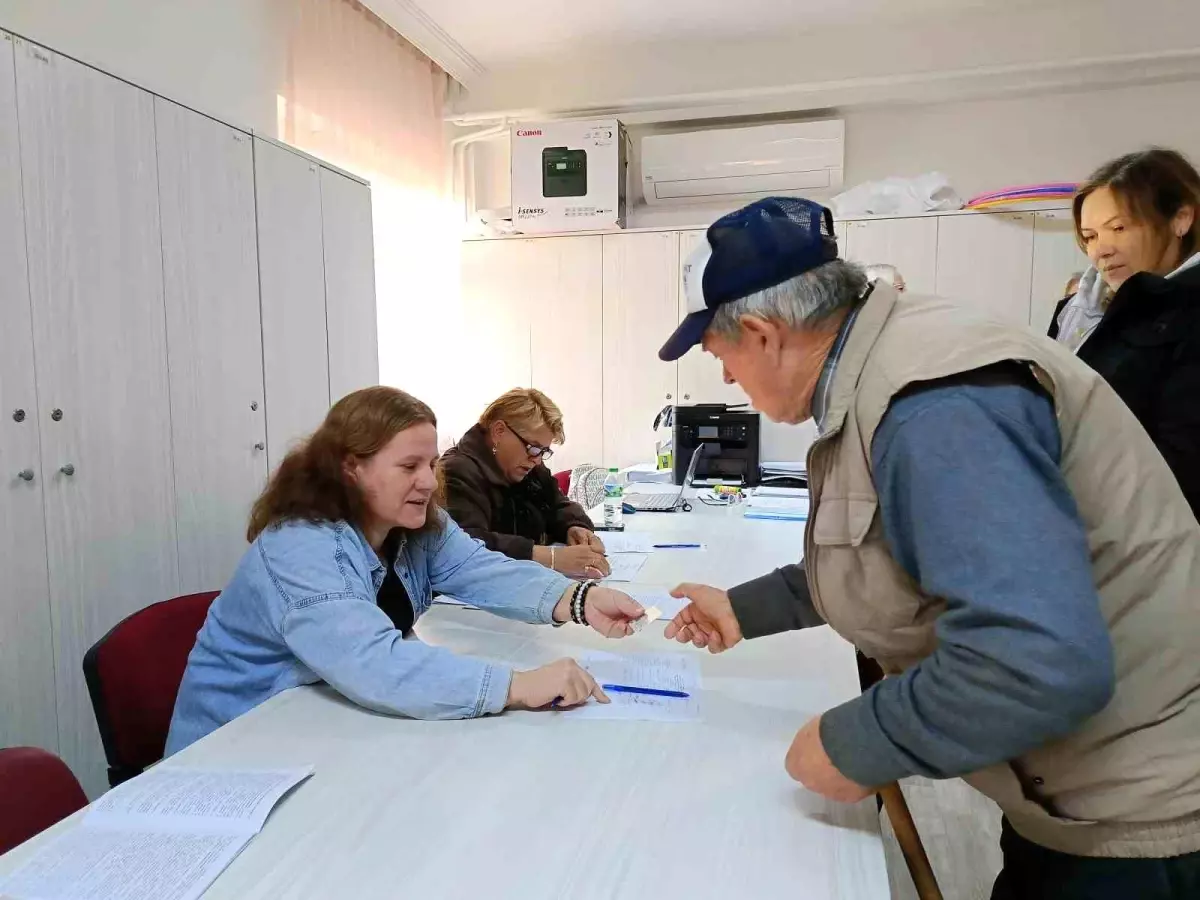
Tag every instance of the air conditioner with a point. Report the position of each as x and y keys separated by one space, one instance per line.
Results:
x=721 y=164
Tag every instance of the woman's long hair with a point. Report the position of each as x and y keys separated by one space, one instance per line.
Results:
x=311 y=485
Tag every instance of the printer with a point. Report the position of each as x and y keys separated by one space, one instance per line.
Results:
x=729 y=436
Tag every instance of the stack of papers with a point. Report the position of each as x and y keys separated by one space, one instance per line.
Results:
x=166 y=835
x=778 y=503
x=626 y=542
x=662 y=671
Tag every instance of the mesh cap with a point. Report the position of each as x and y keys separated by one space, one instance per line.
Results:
x=759 y=246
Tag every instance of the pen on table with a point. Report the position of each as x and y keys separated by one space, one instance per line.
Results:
x=676 y=546
x=653 y=692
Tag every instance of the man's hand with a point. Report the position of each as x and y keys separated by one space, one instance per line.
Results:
x=808 y=763
x=578 y=536
x=708 y=621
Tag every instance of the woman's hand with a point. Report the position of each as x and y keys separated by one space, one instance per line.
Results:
x=579 y=536
x=610 y=612
x=564 y=681
x=580 y=561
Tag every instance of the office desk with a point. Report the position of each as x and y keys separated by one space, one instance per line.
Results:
x=534 y=806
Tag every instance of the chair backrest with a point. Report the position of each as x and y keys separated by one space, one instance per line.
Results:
x=36 y=790
x=133 y=675
x=564 y=480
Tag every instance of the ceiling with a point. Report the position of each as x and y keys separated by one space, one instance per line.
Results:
x=496 y=34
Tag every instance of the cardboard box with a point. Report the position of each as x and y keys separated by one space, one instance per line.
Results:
x=568 y=176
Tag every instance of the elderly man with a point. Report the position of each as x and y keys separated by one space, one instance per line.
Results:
x=991 y=525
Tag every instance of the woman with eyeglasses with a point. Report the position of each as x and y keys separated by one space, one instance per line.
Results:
x=499 y=490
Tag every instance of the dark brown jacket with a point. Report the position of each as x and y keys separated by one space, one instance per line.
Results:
x=510 y=518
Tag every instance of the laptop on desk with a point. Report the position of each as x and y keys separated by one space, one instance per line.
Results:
x=666 y=502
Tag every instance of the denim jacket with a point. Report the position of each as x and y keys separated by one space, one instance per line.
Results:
x=301 y=609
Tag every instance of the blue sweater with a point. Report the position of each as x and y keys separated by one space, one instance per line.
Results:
x=976 y=510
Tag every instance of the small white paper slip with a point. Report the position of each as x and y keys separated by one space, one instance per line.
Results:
x=662 y=671
x=625 y=566
x=652 y=614
x=668 y=606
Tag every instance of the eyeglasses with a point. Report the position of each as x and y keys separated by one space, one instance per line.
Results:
x=534 y=451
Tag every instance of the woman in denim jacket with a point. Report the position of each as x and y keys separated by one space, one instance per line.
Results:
x=348 y=546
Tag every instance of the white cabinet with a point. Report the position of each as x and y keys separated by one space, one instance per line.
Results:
x=292 y=285
x=701 y=378
x=349 y=284
x=566 y=349
x=214 y=338
x=985 y=261
x=27 y=700
x=95 y=273
x=641 y=290
x=911 y=245
x=1056 y=257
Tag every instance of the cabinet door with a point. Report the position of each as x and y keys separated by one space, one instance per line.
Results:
x=214 y=338
x=566 y=346
x=908 y=244
x=95 y=273
x=985 y=261
x=701 y=378
x=292 y=283
x=641 y=291
x=493 y=356
x=27 y=703
x=1056 y=257
x=349 y=284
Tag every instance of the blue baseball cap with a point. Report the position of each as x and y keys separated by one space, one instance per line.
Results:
x=759 y=246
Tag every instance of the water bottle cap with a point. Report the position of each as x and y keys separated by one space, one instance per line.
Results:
x=614 y=469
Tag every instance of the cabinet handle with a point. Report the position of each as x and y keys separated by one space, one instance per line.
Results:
x=254 y=406
x=25 y=474
x=56 y=415
x=18 y=415
x=260 y=446
x=67 y=470
x=668 y=396
x=687 y=396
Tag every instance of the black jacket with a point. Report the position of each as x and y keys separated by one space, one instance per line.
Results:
x=510 y=518
x=1147 y=347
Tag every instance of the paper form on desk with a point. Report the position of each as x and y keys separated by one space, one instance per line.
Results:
x=663 y=671
x=625 y=542
x=166 y=835
x=669 y=606
x=625 y=566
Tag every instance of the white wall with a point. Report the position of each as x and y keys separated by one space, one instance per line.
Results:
x=223 y=57
x=981 y=145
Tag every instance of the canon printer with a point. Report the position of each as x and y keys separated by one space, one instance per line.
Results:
x=730 y=439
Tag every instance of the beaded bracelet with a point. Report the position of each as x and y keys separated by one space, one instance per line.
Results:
x=581 y=619
x=577 y=602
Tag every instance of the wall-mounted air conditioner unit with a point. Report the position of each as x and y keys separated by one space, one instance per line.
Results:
x=720 y=164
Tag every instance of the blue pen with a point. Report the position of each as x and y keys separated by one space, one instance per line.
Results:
x=676 y=546
x=653 y=692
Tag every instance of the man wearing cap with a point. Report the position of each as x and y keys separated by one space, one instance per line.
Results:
x=990 y=523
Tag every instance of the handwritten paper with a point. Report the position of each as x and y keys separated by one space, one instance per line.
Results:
x=625 y=542
x=668 y=606
x=663 y=671
x=625 y=566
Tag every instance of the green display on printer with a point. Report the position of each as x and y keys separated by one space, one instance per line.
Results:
x=564 y=172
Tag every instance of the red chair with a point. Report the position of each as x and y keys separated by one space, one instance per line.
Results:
x=36 y=790
x=133 y=675
x=564 y=480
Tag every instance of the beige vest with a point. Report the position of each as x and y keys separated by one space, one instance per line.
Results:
x=1127 y=783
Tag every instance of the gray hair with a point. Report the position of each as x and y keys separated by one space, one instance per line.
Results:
x=799 y=302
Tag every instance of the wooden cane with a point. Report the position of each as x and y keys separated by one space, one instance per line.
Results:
x=909 y=840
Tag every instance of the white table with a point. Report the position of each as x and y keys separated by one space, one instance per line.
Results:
x=533 y=806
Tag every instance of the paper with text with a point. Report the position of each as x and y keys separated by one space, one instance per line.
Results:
x=663 y=671
x=625 y=566
x=668 y=605
x=165 y=835
x=625 y=542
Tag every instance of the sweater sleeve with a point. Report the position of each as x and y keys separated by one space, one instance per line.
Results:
x=565 y=514
x=976 y=511
x=1176 y=426
x=775 y=602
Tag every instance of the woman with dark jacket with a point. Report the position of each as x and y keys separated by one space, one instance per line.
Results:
x=499 y=491
x=1135 y=318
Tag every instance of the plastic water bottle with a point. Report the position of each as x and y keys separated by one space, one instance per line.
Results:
x=614 y=492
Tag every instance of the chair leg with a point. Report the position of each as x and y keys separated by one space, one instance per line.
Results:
x=910 y=842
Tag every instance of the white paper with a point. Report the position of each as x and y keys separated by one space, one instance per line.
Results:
x=663 y=671
x=165 y=835
x=625 y=542
x=625 y=566
x=99 y=864
x=669 y=606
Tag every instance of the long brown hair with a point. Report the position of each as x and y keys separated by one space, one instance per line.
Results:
x=311 y=485
x=1152 y=185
